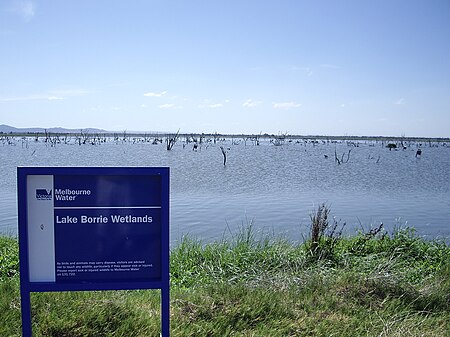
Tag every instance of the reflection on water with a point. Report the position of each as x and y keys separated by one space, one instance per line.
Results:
x=274 y=187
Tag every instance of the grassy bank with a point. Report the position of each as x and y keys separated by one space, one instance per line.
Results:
x=372 y=284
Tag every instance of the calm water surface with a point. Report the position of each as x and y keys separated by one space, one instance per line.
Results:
x=275 y=188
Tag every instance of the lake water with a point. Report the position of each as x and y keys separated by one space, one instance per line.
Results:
x=274 y=188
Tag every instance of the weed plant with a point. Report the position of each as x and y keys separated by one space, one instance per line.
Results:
x=368 y=284
x=9 y=258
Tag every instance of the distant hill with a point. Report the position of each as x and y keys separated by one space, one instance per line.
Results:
x=10 y=129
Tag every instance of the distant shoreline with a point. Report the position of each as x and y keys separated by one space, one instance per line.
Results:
x=6 y=130
x=249 y=137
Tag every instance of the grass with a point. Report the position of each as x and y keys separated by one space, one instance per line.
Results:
x=369 y=284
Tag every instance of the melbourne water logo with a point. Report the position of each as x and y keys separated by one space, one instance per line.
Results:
x=43 y=194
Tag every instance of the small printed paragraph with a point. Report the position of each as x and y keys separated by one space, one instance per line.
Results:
x=75 y=268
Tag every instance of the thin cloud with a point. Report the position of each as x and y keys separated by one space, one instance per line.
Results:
x=155 y=94
x=330 y=66
x=286 y=105
x=400 y=101
x=30 y=98
x=24 y=8
x=18 y=98
x=214 y=106
x=52 y=95
x=306 y=70
x=211 y=106
x=70 y=92
x=169 y=106
x=207 y=104
x=251 y=103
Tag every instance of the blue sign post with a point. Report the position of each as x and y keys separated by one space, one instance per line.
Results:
x=93 y=229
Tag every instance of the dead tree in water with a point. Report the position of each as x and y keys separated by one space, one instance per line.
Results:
x=255 y=139
x=224 y=155
x=47 y=136
x=84 y=137
x=391 y=146
x=125 y=136
x=171 y=140
x=341 y=160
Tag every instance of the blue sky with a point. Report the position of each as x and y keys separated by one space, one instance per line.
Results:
x=232 y=66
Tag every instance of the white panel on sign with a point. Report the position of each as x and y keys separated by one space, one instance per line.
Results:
x=41 y=233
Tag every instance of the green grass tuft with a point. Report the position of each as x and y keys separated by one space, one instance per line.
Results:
x=9 y=258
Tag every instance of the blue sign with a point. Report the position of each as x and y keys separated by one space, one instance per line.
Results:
x=93 y=229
